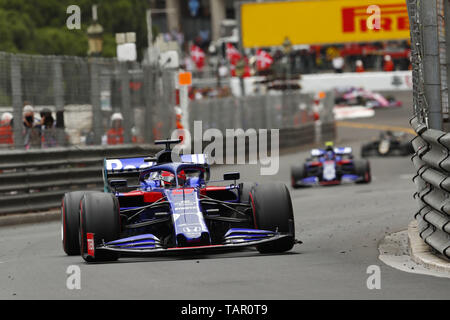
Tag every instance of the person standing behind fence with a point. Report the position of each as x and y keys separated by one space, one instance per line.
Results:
x=32 y=128
x=359 y=66
x=48 y=131
x=388 y=64
x=338 y=64
x=115 y=134
x=6 y=131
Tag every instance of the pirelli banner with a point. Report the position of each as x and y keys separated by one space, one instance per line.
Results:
x=323 y=22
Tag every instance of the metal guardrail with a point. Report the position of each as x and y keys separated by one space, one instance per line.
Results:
x=36 y=180
x=432 y=161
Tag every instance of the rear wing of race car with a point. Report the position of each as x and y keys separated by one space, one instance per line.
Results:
x=337 y=151
x=131 y=167
x=343 y=151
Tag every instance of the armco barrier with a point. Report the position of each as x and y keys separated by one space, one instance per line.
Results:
x=36 y=180
x=432 y=161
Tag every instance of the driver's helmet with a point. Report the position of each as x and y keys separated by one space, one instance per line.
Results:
x=181 y=177
x=329 y=146
x=329 y=150
x=167 y=179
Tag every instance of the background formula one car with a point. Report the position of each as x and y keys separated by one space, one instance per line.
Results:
x=330 y=166
x=172 y=208
x=366 y=98
x=389 y=144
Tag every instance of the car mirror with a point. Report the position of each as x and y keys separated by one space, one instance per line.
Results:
x=232 y=176
x=118 y=183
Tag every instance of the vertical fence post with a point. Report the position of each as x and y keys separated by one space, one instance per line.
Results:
x=447 y=47
x=95 y=102
x=127 y=112
x=17 y=101
x=415 y=56
x=431 y=63
x=58 y=98
x=149 y=96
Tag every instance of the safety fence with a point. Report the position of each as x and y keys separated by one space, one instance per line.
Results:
x=96 y=101
x=432 y=161
x=430 y=39
x=35 y=180
x=258 y=112
x=84 y=96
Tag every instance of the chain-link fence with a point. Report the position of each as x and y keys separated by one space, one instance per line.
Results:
x=62 y=101
x=287 y=110
x=429 y=40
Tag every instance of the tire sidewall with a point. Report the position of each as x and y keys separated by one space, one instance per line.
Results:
x=99 y=214
x=272 y=210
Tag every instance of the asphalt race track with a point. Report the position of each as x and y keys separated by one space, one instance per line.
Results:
x=340 y=227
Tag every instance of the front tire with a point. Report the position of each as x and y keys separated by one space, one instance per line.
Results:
x=70 y=222
x=362 y=169
x=297 y=173
x=99 y=214
x=272 y=210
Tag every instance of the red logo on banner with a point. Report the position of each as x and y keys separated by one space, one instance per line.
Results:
x=394 y=17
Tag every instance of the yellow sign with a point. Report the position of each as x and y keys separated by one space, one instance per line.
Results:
x=323 y=22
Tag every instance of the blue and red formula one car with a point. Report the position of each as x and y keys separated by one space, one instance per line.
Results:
x=155 y=206
x=330 y=166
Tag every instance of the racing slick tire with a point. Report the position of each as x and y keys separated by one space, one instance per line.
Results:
x=99 y=215
x=362 y=169
x=244 y=192
x=272 y=210
x=70 y=222
x=297 y=173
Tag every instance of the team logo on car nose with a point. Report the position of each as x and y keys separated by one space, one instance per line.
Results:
x=192 y=229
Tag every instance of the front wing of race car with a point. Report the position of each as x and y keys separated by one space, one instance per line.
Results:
x=149 y=245
x=315 y=181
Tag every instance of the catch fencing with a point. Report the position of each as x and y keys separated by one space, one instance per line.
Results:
x=83 y=94
x=430 y=38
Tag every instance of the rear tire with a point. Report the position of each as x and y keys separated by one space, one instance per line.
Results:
x=70 y=222
x=362 y=169
x=99 y=215
x=297 y=173
x=272 y=210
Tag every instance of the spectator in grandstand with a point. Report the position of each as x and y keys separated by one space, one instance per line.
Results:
x=115 y=134
x=32 y=128
x=388 y=64
x=6 y=131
